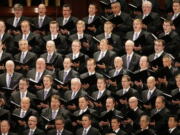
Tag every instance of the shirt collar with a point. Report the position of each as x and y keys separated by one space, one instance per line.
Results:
x=159 y=53
x=87 y=129
x=42 y=17
x=67 y=70
x=117 y=130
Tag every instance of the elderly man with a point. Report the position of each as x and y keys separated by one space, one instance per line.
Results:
x=5 y=128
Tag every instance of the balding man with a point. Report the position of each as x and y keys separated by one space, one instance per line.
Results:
x=149 y=95
x=21 y=114
x=10 y=78
x=104 y=57
x=33 y=129
x=151 y=20
x=41 y=22
x=5 y=128
x=25 y=59
x=52 y=57
x=118 y=70
x=130 y=59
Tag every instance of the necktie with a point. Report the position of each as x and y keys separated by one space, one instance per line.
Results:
x=49 y=58
x=0 y=37
x=64 y=21
x=23 y=95
x=40 y=22
x=101 y=56
x=53 y=114
x=156 y=56
x=149 y=95
x=144 y=16
x=135 y=36
x=65 y=75
x=124 y=91
x=59 y=132
x=107 y=36
x=25 y=37
x=22 y=57
x=38 y=76
x=31 y=132
x=45 y=94
x=128 y=61
x=22 y=114
x=9 y=81
x=99 y=95
x=90 y=19
x=84 y=132
x=116 y=73
x=16 y=22
x=73 y=95
x=174 y=17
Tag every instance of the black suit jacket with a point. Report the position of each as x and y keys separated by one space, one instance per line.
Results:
x=131 y=92
x=8 y=41
x=176 y=22
x=60 y=42
x=148 y=43
x=91 y=131
x=176 y=131
x=5 y=56
x=36 y=132
x=147 y=131
x=14 y=80
x=68 y=94
x=134 y=63
x=4 y=114
x=114 y=41
x=54 y=132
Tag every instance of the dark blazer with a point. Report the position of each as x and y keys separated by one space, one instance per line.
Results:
x=105 y=93
x=14 y=80
x=45 y=24
x=4 y=114
x=36 y=132
x=176 y=22
x=5 y=56
x=8 y=41
x=131 y=92
x=176 y=131
x=114 y=41
x=148 y=43
x=70 y=25
x=134 y=63
x=34 y=40
x=172 y=44
x=154 y=24
x=92 y=131
x=147 y=131
x=67 y=94
x=54 y=132
x=60 y=42
x=56 y=59
x=10 y=133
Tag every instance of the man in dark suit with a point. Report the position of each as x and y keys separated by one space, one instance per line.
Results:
x=148 y=96
x=32 y=127
x=37 y=74
x=159 y=116
x=151 y=20
x=130 y=59
x=13 y=24
x=10 y=78
x=60 y=40
x=83 y=37
x=87 y=128
x=143 y=40
x=91 y=70
x=115 y=126
x=67 y=23
x=176 y=16
x=46 y=93
x=6 y=38
x=65 y=76
x=54 y=111
x=21 y=115
x=17 y=96
x=5 y=128
x=59 y=128
x=122 y=20
x=173 y=125
x=117 y=71
x=104 y=57
x=114 y=41
x=4 y=57
x=34 y=40
x=74 y=93
x=25 y=60
x=92 y=21
x=53 y=59
x=41 y=22
x=77 y=56
x=171 y=38
x=144 y=126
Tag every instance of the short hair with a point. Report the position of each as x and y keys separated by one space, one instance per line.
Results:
x=127 y=77
x=76 y=40
x=80 y=22
x=168 y=57
x=113 y=99
x=48 y=76
x=174 y=116
x=67 y=6
x=85 y=97
x=117 y=2
x=116 y=118
x=25 y=21
x=60 y=118
x=129 y=42
x=147 y=3
x=23 y=40
x=76 y=79
x=18 y=6
x=87 y=115
x=169 y=21
x=102 y=78
x=108 y=22
x=147 y=117
x=91 y=59
x=25 y=80
x=177 y=76
x=176 y=1
x=162 y=98
x=94 y=4
x=138 y=20
x=160 y=41
x=54 y=22
x=57 y=97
